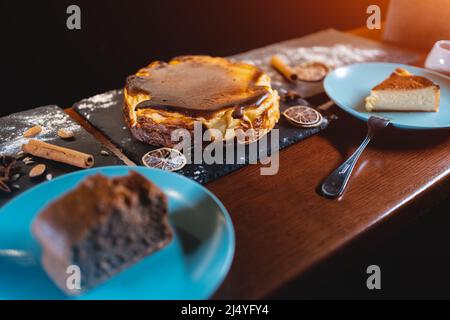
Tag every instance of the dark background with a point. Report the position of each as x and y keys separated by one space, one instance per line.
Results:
x=43 y=62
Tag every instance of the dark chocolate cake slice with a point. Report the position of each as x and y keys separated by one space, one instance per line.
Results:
x=102 y=227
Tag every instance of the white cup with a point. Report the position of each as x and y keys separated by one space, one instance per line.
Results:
x=439 y=57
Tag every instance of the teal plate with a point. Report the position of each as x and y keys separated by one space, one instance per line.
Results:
x=349 y=86
x=191 y=267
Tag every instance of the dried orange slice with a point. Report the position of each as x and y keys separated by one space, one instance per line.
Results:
x=303 y=116
x=312 y=71
x=165 y=159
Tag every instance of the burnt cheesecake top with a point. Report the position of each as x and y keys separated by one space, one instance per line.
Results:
x=198 y=85
x=401 y=79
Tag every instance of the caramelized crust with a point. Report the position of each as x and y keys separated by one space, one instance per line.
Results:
x=401 y=79
x=198 y=85
x=222 y=95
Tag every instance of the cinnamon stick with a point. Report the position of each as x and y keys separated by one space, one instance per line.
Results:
x=56 y=153
x=280 y=64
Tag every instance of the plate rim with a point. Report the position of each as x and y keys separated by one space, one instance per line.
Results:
x=360 y=116
x=231 y=236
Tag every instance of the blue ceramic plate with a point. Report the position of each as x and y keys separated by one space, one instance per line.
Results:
x=191 y=267
x=349 y=86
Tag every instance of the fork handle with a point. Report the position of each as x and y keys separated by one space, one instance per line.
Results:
x=334 y=186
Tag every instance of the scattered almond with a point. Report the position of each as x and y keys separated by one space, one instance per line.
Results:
x=33 y=132
x=65 y=134
x=37 y=171
x=104 y=153
x=49 y=177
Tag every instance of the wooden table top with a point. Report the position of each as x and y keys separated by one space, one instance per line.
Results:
x=285 y=228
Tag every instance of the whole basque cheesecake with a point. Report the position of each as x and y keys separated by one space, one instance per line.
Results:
x=216 y=92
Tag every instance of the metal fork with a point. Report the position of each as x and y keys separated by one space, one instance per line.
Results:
x=334 y=186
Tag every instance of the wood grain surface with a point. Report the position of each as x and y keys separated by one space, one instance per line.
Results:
x=284 y=228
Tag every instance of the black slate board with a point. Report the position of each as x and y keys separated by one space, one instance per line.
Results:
x=104 y=111
x=51 y=119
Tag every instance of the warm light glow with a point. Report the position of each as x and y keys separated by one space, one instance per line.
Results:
x=341 y=72
x=174 y=194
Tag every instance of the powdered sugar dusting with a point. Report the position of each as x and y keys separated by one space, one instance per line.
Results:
x=100 y=101
x=334 y=56
x=51 y=119
x=337 y=55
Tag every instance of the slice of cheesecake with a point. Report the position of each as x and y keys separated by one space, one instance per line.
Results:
x=403 y=91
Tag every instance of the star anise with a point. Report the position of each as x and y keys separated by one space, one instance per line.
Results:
x=290 y=96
